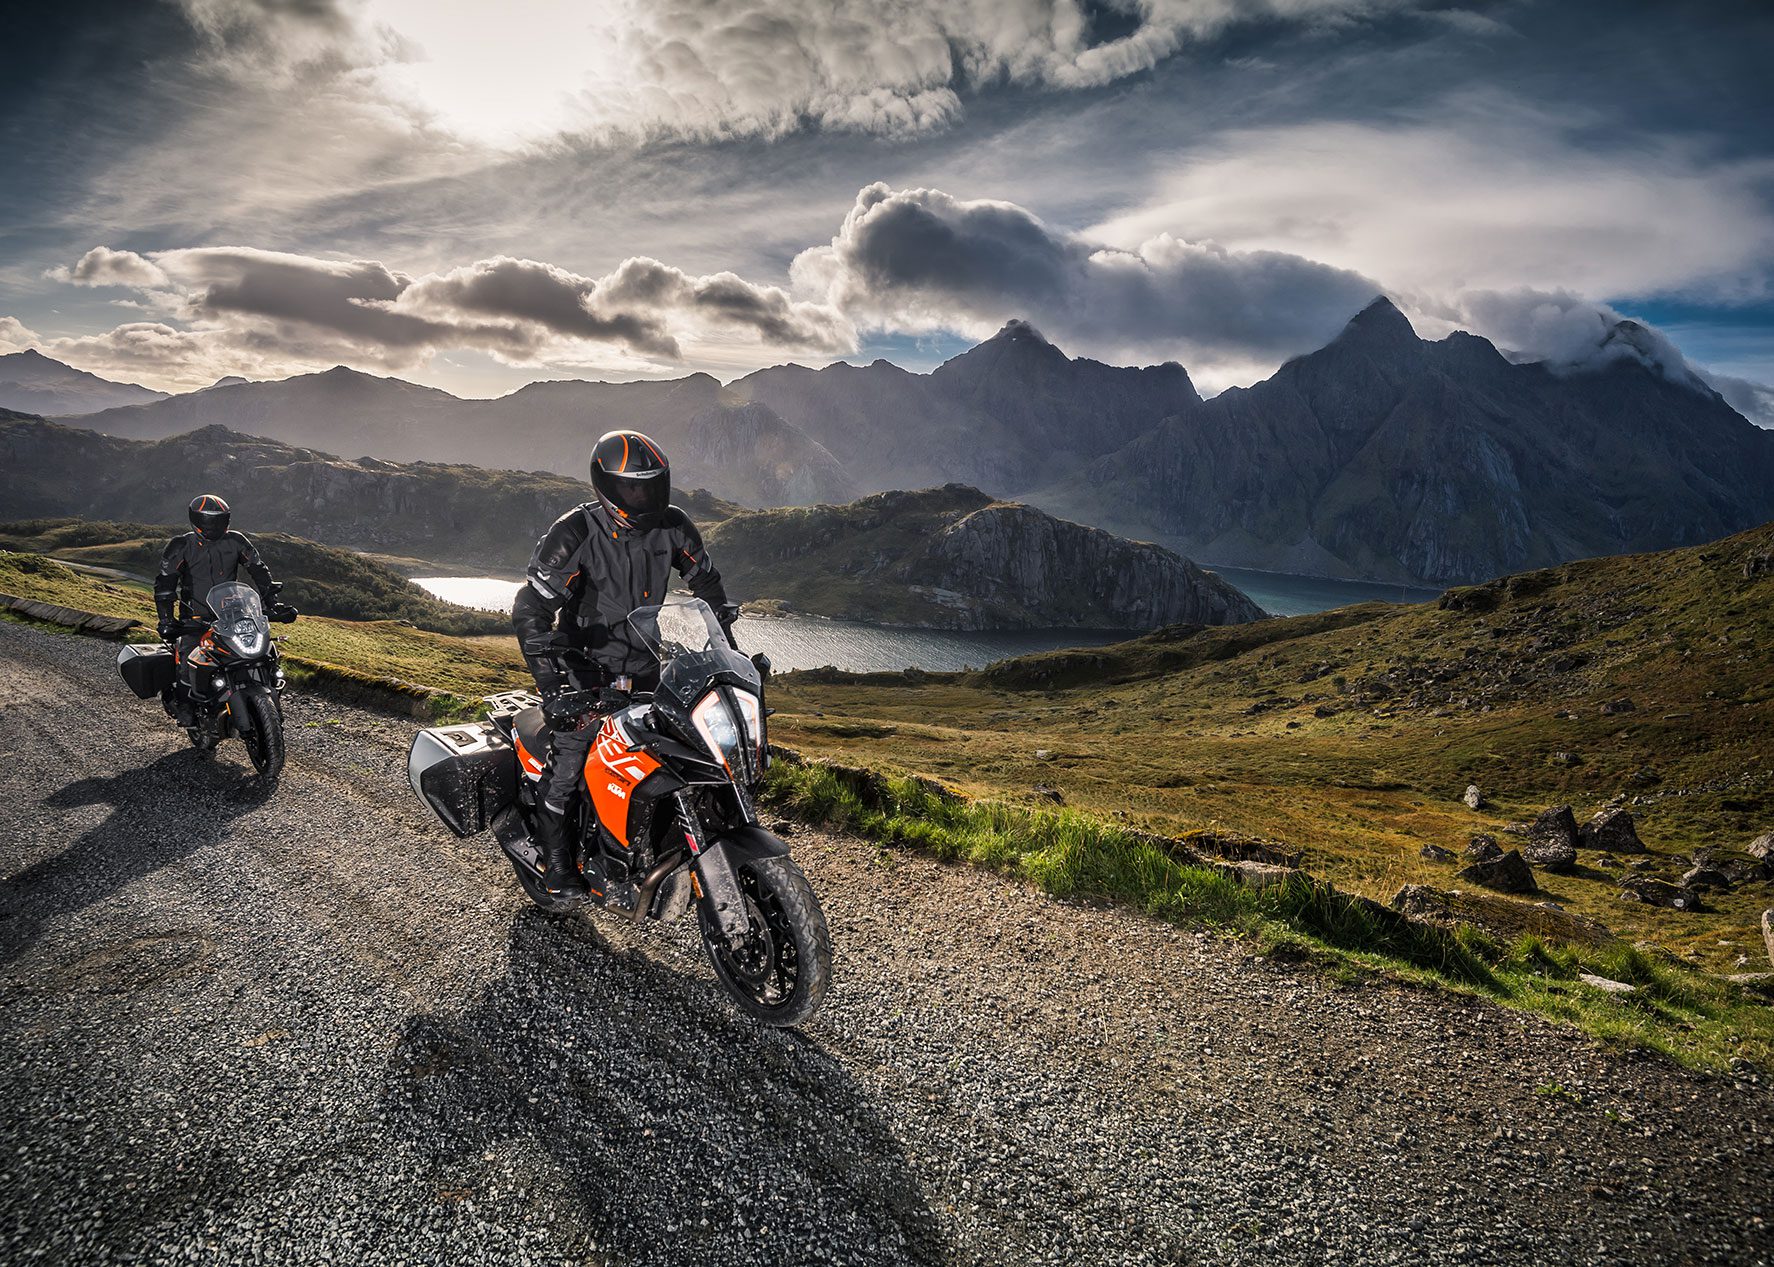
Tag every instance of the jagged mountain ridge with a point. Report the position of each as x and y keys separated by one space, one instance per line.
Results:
x=1387 y=456
x=1380 y=456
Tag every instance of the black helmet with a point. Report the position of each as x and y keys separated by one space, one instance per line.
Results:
x=632 y=479
x=208 y=514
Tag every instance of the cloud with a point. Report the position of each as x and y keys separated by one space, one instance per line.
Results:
x=1478 y=193
x=922 y=260
x=258 y=312
x=719 y=68
x=102 y=266
x=16 y=336
x=1572 y=335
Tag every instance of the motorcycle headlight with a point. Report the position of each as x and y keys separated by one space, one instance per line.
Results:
x=753 y=718
x=714 y=723
x=248 y=643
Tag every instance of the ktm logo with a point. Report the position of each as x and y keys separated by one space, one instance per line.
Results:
x=617 y=790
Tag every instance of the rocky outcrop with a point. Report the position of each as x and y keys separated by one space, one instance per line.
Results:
x=1654 y=892
x=1506 y=873
x=1017 y=565
x=1611 y=831
x=758 y=459
x=1552 y=840
x=954 y=558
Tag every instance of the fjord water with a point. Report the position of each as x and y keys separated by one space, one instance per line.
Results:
x=810 y=642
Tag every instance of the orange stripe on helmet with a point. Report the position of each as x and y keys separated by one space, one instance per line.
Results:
x=624 y=466
x=657 y=455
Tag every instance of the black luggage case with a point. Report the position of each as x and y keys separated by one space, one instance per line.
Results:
x=466 y=773
x=147 y=668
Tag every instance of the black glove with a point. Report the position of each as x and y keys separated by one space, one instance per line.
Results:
x=563 y=711
x=284 y=613
x=166 y=629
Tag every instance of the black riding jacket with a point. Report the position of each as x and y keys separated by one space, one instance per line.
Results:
x=193 y=564
x=586 y=575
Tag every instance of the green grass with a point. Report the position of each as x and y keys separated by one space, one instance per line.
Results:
x=1690 y=1016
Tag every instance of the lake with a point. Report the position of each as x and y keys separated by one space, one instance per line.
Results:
x=811 y=642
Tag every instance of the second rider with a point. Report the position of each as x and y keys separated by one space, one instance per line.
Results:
x=595 y=565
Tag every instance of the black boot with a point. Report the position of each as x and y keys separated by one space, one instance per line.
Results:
x=560 y=873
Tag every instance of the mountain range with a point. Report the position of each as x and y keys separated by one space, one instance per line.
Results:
x=950 y=557
x=1380 y=456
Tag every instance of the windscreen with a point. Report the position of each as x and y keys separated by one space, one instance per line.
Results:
x=240 y=617
x=677 y=629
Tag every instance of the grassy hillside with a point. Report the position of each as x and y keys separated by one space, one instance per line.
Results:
x=320 y=580
x=1351 y=735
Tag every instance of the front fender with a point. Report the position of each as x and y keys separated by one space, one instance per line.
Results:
x=237 y=709
x=753 y=842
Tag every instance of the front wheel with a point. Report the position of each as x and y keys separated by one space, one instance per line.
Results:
x=779 y=972
x=264 y=743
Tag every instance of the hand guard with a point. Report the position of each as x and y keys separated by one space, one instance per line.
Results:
x=167 y=629
x=563 y=711
x=284 y=613
x=727 y=615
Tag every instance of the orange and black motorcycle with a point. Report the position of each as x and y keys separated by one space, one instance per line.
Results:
x=668 y=819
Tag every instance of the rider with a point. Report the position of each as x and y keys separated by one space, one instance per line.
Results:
x=595 y=565
x=191 y=565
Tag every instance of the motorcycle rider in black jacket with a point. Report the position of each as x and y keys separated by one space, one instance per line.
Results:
x=191 y=565
x=595 y=565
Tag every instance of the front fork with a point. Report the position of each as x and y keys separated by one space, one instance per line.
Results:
x=717 y=881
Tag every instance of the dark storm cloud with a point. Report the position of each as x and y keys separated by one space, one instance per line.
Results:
x=920 y=257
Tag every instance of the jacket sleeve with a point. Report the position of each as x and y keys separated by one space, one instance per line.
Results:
x=255 y=567
x=551 y=579
x=690 y=557
x=166 y=580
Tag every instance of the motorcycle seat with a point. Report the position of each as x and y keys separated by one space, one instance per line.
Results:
x=531 y=729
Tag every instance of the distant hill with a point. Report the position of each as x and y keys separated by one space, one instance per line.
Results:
x=33 y=383
x=461 y=516
x=320 y=580
x=954 y=558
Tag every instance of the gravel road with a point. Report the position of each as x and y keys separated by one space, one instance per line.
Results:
x=318 y=1029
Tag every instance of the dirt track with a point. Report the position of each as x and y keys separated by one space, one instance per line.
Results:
x=316 y=1028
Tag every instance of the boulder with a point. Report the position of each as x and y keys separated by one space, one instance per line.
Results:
x=1504 y=917
x=1435 y=853
x=1552 y=840
x=1506 y=873
x=1705 y=876
x=1652 y=892
x=1762 y=847
x=1768 y=933
x=1606 y=985
x=1482 y=848
x=1615 y=706
x=1613 y=830
x=1473 y=798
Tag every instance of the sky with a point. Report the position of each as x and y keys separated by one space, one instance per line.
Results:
x=480 y=195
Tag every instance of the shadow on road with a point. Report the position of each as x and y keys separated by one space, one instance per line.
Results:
x=659 y=1122
x=159 y=814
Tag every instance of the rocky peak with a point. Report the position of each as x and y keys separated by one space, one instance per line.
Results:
x=1379 y=326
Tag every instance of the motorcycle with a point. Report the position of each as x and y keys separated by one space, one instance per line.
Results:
x=668 y=814
x=235 y=679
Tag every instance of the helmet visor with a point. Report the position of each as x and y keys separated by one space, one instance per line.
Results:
x=640 y=498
